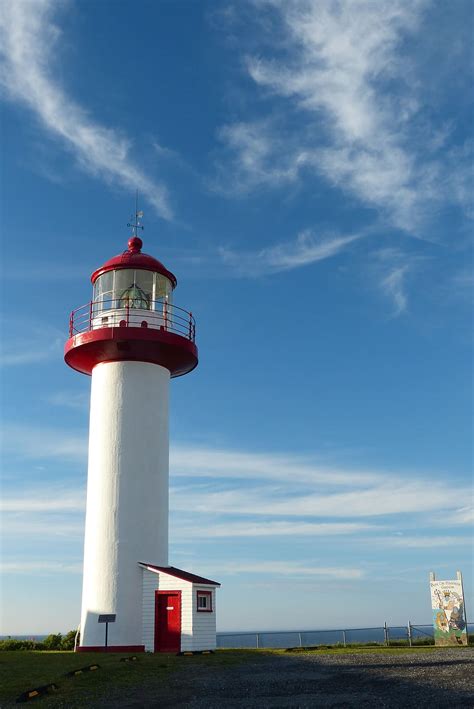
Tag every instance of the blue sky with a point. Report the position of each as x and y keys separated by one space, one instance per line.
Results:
x=305 y=169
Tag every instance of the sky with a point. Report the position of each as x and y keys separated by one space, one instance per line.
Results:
x=305 y=169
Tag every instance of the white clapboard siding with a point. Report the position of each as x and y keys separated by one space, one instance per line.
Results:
x=198 y=629
x=204 y=623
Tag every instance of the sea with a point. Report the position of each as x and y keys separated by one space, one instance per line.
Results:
x=307 y=638
x=304 y=638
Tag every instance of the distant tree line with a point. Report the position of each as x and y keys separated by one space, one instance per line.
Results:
x=54 y=641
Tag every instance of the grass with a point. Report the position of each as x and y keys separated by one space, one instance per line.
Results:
x=24 y=670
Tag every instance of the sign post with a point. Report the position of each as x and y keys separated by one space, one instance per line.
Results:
x=449 y=612
x=106 y=618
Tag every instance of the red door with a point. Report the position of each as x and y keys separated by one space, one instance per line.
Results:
x=167 y=621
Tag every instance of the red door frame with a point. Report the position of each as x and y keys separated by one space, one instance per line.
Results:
x=157 y=621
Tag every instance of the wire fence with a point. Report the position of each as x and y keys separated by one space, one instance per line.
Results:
x=381 y=635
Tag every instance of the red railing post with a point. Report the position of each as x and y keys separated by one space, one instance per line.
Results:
x=90 y=315
x=165 y=310
x=191 y=326
x=128 y=311
x=71 y=324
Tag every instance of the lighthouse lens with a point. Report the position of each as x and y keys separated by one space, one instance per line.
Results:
x=134 y=297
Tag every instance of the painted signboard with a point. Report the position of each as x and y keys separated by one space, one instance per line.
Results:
x=449 y=619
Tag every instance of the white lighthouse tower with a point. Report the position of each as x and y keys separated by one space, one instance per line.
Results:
x=132 y=339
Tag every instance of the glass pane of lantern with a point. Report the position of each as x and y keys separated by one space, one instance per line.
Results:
x=163 y=288
x=144 y=281
x=103 y=291
x=124 y=279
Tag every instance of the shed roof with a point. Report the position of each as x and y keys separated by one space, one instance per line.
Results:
x=180 y=574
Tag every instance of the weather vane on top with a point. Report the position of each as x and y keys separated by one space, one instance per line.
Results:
x=138 y=215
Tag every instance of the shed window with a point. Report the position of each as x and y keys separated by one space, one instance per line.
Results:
x=204 y=601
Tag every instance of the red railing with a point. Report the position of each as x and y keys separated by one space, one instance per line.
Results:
x=158 y=315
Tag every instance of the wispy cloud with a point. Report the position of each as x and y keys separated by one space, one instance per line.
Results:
x=77 y=400
x=390 y=496
x=30 y=44
x=393 y=286
x=46 y=527
x=42 y=343
x=45 y=499
x=33 y=442
x=353 y=110
x=196 y=461
x=41 y=568
x=393 y=268
x=425 y=542
x=306 y=249
x=269 y=529
x=461 y=516
x=57 y=444
x=250 y=494
x=260 y=157
x=289 y=568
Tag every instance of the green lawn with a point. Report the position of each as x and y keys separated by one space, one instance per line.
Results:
x=23 y=670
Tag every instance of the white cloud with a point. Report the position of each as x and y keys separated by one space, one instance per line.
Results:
x=236 y=483
x=34 y=442
x=21 y=356
x=262 y=158
x=426 y=542
x=306 y=249
x=46 y=499
x=268 y=529
x=288 y=568
x=350 y=109
x=393 y=285
x=460 y=517
x=24 y=525
x=393 y=268
x=40 y=443
x=71 y=400
x=29 y=40
x=40 y=568
x=390 y=496
x=42 y=343
x=194 y=461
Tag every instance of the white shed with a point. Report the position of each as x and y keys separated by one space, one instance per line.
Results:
x=179 y=610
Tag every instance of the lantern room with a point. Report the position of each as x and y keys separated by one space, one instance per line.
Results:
x=132 y=317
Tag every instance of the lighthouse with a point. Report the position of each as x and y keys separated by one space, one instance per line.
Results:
x=132 y=339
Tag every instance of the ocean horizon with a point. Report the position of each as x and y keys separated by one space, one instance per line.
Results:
x=293 y=638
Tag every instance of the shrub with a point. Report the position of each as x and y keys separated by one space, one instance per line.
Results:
x=12 y=644
x=53 y=642
x=67 y=642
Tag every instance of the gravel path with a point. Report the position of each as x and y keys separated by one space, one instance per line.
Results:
x=436 y=679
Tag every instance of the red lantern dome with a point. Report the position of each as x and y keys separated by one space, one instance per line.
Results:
x=133 y=258
x=132 y=317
